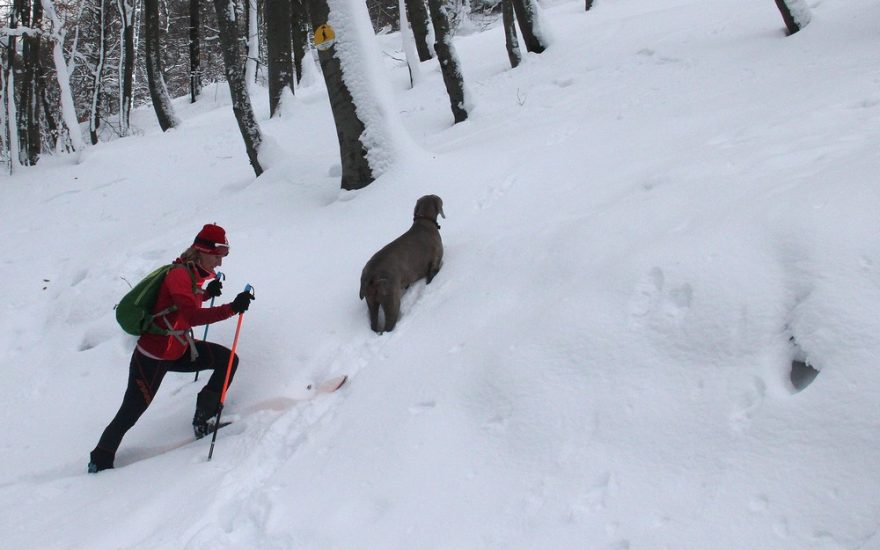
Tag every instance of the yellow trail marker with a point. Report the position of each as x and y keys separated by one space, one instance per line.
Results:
x=325 y=37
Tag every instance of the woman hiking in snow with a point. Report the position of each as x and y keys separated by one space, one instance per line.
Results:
x=156 y=354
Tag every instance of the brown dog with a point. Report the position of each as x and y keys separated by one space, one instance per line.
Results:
x=415 y=254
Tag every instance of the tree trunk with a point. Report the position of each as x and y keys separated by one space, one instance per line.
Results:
x=417 y=14
x=195 y=70
x=528 y=16
x=356 y=171
x=9 y=137
x=31 y=85
x=449 y=64
x=278 y=40
x=795 y=13
x=299 y=26
x=511 y=41
x=409 y=45
x=126 y=66
x=158 y=91
x=241 y=101
x=12 y=137
x=253 y=42
x=68 y=109
x=94 y=113
x=54 y=135
x=589 y=4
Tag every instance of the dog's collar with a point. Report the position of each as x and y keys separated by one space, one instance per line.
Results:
x=426 y=218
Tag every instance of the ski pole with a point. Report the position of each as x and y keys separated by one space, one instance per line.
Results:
x=247 y=288
x=220 y=277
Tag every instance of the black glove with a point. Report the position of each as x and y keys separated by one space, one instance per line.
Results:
x=214 y=288
x=242 y=302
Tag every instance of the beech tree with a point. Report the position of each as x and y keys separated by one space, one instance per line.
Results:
x=299 y=30
x=10 y=113
x=529 y=17
x=356 y=171
x=417 y=14
x=509 y=21
x=238 y=88
x=450 y=66
x=371 y=136
x=278 y=41
x=126 y=64
x=253 y=42
x=409 y=46
x=62 y=75
x=795 y=13
x=32 y=137
x=195 y=70
x=94 y=112
x=158 y=90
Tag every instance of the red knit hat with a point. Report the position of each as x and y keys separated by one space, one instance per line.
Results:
x=212 y=240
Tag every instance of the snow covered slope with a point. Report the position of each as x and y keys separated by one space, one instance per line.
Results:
x=638 y=220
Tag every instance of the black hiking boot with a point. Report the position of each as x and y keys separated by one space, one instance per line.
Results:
x=100 y=460
x=207 y=404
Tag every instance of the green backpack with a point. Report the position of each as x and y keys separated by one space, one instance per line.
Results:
x=134 y=312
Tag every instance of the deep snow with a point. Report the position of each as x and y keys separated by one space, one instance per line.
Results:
x=638 y=219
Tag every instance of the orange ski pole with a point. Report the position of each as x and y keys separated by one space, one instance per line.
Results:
x=247 y=288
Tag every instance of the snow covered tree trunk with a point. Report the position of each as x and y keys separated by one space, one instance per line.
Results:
x=94 y=115
x=795 y=13
x=589 y=4
x=238 y=88
x=158 y=90
x=126 y=65
x=409 y=46
x=299 y=30
x=11 y=125
x=356 y=171
x=195 y=70
x=4 y=134
x=417 y=14
x=52 y=131
x=278 y=41
x=31 y=89
x=509 y=21
x=253 y=51
x=68 y=108
x=529 y=17
x=449 y=63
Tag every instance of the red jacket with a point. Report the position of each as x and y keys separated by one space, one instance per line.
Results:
x=177 y=289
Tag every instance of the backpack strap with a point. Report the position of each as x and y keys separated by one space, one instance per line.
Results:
x=179 y=335
x=185 y=337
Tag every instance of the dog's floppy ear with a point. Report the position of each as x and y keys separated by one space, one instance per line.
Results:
x=429 y=206
x=438 y=204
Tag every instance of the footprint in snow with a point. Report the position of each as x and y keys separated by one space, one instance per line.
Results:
x=422 y=407
x=749 y=403
x=652 y=299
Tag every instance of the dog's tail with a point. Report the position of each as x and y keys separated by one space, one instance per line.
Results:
x=374 y=287
x=366 y=283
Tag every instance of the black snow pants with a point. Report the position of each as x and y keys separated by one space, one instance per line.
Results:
x=144 y=377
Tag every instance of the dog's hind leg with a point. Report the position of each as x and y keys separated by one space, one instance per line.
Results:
x=373 y=306
x=432 y=272
x=391 y=307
